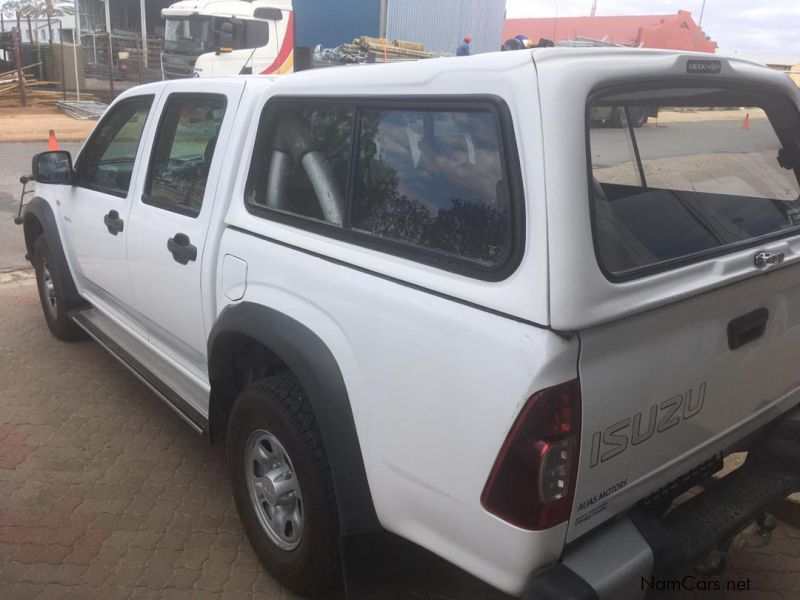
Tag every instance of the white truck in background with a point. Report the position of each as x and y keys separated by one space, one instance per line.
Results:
x=217 y=38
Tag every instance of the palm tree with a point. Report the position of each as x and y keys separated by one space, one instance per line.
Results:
x=28 y=9
x=51 y=9
x=14 y=6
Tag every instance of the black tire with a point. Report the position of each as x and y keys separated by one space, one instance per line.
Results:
x=50 y=282
x=280 y=406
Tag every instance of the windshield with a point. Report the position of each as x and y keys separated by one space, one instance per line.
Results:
x=188 y=36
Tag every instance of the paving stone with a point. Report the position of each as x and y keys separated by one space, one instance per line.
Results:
x=105 y=493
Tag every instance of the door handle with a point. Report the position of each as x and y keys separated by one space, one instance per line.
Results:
x=747 y=328
x=181 y=248
x=113 y=222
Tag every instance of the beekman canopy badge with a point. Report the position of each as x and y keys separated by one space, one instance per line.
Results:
x=706 y=67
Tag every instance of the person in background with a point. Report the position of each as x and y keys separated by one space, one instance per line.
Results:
x=524 y=41
x=463 y=47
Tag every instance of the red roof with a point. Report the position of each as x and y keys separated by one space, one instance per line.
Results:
x=675 y=32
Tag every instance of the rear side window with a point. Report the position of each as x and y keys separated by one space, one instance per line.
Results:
x=302 y=162
x=426 y=182
x=433 y=179
x=699 y=177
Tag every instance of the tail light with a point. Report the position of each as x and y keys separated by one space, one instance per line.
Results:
x=532 y=482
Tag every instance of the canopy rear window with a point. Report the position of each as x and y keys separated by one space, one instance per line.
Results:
x=711 y=170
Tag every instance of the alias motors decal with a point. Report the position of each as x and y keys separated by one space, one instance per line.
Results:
x=284 y=62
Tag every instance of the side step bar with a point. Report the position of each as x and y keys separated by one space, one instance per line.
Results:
x=612 y=562
x=161 y=378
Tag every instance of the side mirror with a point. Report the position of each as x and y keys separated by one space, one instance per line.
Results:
x=270 y=14
x=53 y=167
x=225 y=37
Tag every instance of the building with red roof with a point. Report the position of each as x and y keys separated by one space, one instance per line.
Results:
x=672 y=32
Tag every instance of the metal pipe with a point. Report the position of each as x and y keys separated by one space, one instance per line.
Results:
x=77 y=22
x=143 y=58
x=76 y=39
x=18 y=61
x=63 y=66
x=75 y=64
x=277 y=180
x=110 y=48
x=323 y=180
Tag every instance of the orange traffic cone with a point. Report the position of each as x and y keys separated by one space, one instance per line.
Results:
x=52 y=142
x=746 y=124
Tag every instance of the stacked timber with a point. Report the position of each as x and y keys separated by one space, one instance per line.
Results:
x=37 y=93
x=379 y=49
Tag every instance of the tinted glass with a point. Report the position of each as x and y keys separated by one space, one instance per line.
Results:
x=188 y=36
x=707 y=176
x=182 y=152
x=302 y=161
x=107 y=161
x=433 y=179
x=256 y=33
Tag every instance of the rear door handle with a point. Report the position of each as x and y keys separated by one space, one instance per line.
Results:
x=747 y=328
x=113 y=223
x=181 y=248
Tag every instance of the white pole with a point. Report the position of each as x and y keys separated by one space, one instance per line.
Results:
x=144 y=34
x=75 y=62
x=78 y=21
x=76 y=39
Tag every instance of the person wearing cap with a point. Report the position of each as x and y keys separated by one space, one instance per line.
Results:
x=463 y=47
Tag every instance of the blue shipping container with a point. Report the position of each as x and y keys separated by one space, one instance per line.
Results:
x=335 y=22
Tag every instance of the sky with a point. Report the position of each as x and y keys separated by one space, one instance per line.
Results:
x=738 y=26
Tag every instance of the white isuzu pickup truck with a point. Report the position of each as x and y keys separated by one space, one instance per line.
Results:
x=434 y=299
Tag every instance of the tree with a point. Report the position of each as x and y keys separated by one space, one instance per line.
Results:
x=15 y=7
x=27 y=8
x=53 y=9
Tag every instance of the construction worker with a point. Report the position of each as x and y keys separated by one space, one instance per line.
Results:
x=523 y=40
x=463 y=47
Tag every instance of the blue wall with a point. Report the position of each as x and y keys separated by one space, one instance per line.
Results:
x=335 y=22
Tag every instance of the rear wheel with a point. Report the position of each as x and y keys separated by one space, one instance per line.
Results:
x=282 y=485
x=49 y=280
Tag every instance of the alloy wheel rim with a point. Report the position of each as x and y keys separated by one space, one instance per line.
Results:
x=49 y=289
x=274 y=489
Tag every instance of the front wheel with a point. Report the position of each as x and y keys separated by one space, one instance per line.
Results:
x=283 y=487
x=50 y=280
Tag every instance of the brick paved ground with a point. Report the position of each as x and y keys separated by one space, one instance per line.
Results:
x=105 y=493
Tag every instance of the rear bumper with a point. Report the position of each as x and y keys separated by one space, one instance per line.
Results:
x=618 y=560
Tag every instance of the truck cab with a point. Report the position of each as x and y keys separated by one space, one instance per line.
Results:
x=215 y=38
